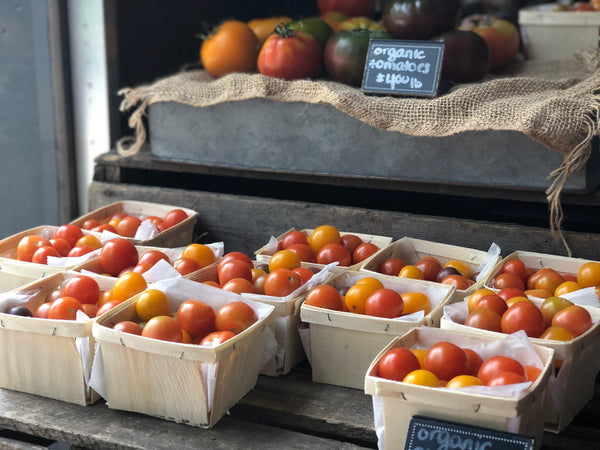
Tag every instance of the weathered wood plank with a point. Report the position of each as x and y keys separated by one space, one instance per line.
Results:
x=97 y=426
x=245 y=223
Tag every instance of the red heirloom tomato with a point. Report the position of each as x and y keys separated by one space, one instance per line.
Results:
x=420 y=19
x=231 y=47
x=118 y=254
x=346 y=52
x=466 y=56
x=350 y=8
x=397 y=363
x=290 y=54
x=501 y=36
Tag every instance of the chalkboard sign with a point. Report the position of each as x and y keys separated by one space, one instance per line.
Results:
x=397 y=67
x=431 y=434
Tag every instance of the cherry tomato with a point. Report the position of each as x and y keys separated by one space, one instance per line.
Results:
x=239 y=286
x=416 y=301
x=504 y=378
x=350 y=241
x=459 y=281
x=507 y=293
x=484 y=319
x=396 y=363
x=291 y=238
x=508 y=280
x=523 y=316
x=61 y=245
x=258 y=280
x=384 y=303
x=118 y=254
x=422 y=377
x=305 y=273
x=516 y=267
x=128 y=326
x=128 y=226
x=323 y=235
x=551 y=306
x=566 y=287
x=498 y=364
x=290 y=54
x=549 y=280
x=164 y=328
x=430 y=266
x=69 y=232
x=324 y=296
x=152 y=303
x=463 y=268
x=445 y=272
x=532 y=372
x=235 y=255
x=216 y=338
x=196 y=318
x=90 y=224
x=235 y=317
x=28 y=245
x=186 y=266
x=493 y=302
x=107 y=307
x=79 y=250
x=64 y=308
x=364 y=251
x=356 y=297
x=89 y=240
x=83 y=288
x=588 y=274
x=304 y=252
x=128 y=285
x=461 y=381
x=556 y=333
x=230 y=47
x=334 y=252
x=151 y=257
x=475 y=361
x=286 y=259
x=391 y=266
x=42 y=311
x=475 y=296
x=41 y=255
x=282 y=282
x=104 y=227
x=234 y=268
x=200 y=253
x=446 y=360
x=574 y=318
x=411 y=271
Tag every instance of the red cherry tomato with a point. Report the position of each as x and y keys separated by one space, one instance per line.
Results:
x=391 y=266
x=324 y=296
x=68 y=232
x=196 y=318
x=41 y=254
x=363 y=251
x=334 y=252
x=397 y=363
x=118 y=254
x=350 y=241
x=498 y=364
x=447 y=360
x=293 y=237
x=64 y=308
x=384 y=303
x=524 y=316
x=282 y=282
x=174 y=217
x=83 y=288
x=235 y=317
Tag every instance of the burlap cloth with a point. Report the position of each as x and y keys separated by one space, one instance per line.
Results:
x=554 y=103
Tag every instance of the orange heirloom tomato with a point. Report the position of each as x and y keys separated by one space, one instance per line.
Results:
x=263 y=27
x=290 y=54
x=231 y=47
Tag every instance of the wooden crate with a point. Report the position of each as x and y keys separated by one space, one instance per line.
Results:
x=176 y=236
x=50 y=358
x=183 y=383
x=395 y=403
x=343 y=344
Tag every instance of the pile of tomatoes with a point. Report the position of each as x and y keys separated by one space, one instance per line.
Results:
x=448 y=365
x=429 y=268
x=370 y=297
x=194 y=322
x=325 y=245
x=335 y=43
x=126 y=225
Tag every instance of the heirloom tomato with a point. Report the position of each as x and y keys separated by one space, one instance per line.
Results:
x=588 y=274
x=265 y=26
x=430 y=266
x=420 y=19
x=363 y=251
x=484 y=319
x=284 y=258
x=304 y=252
x=69 y=232
x=466 y=56
x=290 y=54
x=215 y=338
x=416 y=301
x=350 y=241
x=316 y=27
x=128 y=226
x=334 y=252
x=291 y=238
x=350 y=8
x=231 y=47
x=346 y=53
x=185 y=265
x=333 y=18
x=200 y=253
x=501 y=36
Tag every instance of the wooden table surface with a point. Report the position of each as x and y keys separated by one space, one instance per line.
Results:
x=286 y=412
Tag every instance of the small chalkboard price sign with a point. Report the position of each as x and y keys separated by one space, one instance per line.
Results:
x=398 y=67
x=425 y=433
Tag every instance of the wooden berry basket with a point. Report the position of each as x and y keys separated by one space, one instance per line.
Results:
x=176 y=236
x=50 y=358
